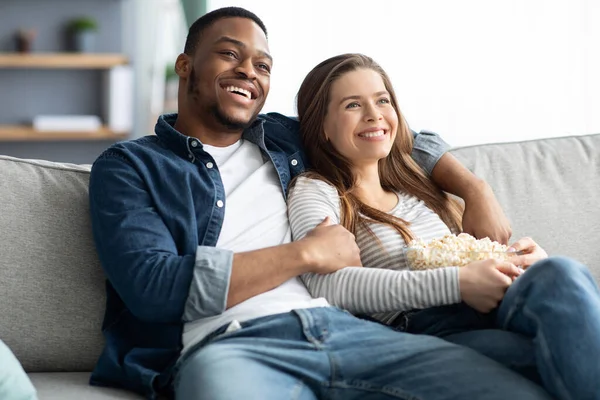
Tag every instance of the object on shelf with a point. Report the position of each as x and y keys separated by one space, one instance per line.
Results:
x=82 y=34
x=118 y=98
x=66 y=123
x=24 y=40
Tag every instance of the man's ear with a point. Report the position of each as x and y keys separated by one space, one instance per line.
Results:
x=183 y=65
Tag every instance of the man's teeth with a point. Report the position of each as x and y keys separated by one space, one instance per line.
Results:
x=372 y=134
x=239 y=90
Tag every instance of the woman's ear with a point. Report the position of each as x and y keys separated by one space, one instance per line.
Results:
x=182 y=65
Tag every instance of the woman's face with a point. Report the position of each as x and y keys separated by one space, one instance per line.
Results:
x=361 y=122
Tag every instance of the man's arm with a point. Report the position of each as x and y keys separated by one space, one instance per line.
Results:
x=156 y=282
x=483 y=215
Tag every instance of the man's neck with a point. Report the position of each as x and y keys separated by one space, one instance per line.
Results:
x=210 y=135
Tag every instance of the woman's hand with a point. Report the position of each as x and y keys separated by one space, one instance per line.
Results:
x=483 y=283
x=527 y=252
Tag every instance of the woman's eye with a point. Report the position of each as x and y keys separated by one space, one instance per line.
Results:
x=353 y=105
x=384 y=100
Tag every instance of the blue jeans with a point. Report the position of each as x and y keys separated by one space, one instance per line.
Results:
x=326 y=353
x=14 y=383
x=547 y=328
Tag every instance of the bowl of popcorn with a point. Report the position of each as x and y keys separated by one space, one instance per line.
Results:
x=452 y=250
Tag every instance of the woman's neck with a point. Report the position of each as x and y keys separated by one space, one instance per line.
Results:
x=369 y=190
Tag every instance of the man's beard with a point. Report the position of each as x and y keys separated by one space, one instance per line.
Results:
x=214 y=109
x=227 y=122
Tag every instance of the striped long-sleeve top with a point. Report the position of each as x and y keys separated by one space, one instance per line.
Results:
x=384 y=286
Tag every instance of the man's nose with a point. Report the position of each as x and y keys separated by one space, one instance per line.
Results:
x=246 y=68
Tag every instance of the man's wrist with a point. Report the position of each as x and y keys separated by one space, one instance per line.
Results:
x=476 y=188
x=303 y=252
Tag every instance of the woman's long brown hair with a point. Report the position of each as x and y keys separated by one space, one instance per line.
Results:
x=397 y=172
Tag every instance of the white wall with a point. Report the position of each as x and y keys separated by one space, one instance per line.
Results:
x=475 y=71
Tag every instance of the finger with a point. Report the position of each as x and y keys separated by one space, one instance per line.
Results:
x=503 y=280
x=509 y=269
x=525 y=260
x=326 y=221
x=525 y=244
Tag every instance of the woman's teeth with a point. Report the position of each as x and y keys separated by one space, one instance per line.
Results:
x=372 y=134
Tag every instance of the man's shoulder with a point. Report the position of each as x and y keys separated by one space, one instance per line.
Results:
x=132 y=148
x=128 y=154
x=273 y=121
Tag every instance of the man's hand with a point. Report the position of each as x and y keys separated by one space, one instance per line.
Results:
x=329 y=248
x=528 y=251
x=483 y=283
x=483 y=216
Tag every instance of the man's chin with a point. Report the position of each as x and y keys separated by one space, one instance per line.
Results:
x=235 y=122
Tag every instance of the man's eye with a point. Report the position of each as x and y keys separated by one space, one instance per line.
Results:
x=229 y=54
x=264 y=67
x=353 y=105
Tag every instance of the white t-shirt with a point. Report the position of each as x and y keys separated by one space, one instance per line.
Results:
x=255 y=218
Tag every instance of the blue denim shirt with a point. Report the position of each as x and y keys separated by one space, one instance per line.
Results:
x=157 y=205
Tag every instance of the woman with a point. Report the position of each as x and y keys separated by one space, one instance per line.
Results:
x=364 y=178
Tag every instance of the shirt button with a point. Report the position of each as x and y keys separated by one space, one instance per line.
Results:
x=209 y=165
x=190 y=156
x=294 y=162
x=220 y=203
x=194 y=143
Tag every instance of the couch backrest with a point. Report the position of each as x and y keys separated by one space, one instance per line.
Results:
x=52 y=286
x=51 y=283
x=549 y=189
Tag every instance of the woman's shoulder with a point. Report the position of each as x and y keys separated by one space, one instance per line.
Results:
x=312 y=183
x=312 y=186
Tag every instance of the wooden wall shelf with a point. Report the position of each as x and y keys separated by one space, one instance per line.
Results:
x=62 y=60
x=17 y=133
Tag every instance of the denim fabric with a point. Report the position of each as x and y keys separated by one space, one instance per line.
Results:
x=546 y=328
x=14 y=383
x=557 y=303
x=461 y=324
x=325 y=353
x=157 y=205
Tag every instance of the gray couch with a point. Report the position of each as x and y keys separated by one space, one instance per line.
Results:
x=51 y=283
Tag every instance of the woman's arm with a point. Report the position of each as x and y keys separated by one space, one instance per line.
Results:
x=364 y=290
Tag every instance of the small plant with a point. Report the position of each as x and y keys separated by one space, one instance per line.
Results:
x=170 y=72
x=83 y=24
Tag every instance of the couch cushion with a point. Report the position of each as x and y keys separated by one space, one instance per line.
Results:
x=549 y=189
x=51 y=283
x=74 y=386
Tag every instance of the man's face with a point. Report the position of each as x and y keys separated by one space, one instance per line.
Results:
x=230 y=74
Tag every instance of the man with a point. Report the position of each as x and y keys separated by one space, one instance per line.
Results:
x=191 y=229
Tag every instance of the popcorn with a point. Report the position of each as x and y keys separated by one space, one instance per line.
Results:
x=452 y=250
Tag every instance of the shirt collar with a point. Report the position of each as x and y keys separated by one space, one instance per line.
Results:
x=180 y=144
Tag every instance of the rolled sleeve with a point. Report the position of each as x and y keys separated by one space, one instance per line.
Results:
x=210 y=283
x=428 y=148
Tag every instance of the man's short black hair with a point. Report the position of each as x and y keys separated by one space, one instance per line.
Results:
x=208 y=19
